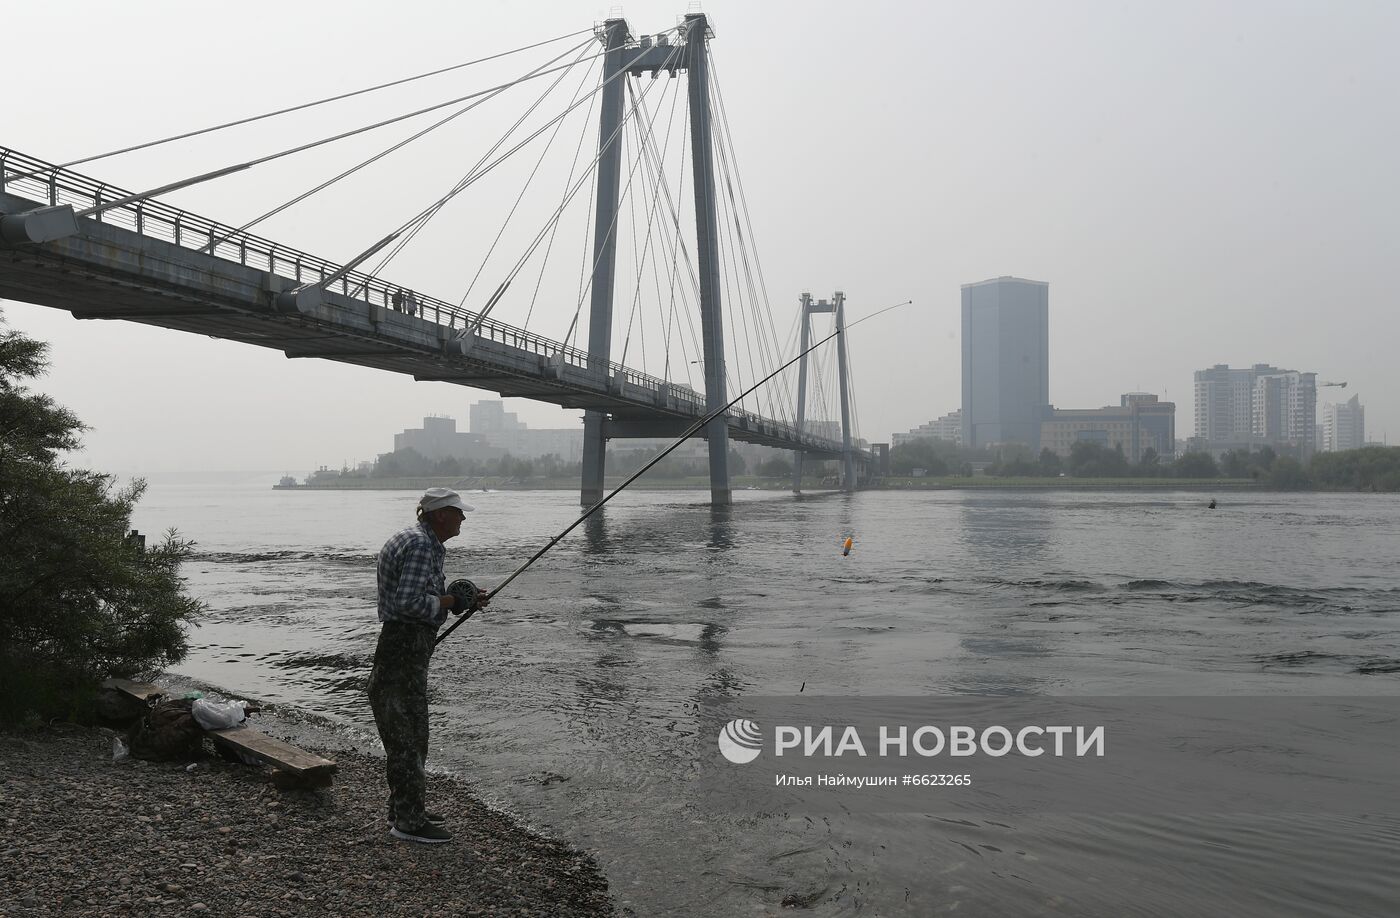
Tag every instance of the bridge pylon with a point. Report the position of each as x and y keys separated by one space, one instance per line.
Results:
x=837 y=305
x=623 y=55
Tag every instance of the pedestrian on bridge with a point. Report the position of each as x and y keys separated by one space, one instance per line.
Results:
x=413 y=603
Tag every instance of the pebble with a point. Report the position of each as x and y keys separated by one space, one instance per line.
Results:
x=153 y=826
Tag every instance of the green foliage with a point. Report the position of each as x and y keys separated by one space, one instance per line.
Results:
x=935 y=456
x=777 y=467
x=1195 y=465
x=1050 y=463
x=78 y=601
x=1088 y=459
x=1372 y=468
x=1244 y=463
x=1286 y=474
x=1016 y=468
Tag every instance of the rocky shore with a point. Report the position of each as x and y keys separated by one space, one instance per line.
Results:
x=84 y=835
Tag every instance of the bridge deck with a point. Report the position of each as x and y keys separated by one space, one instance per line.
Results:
x=147 y=263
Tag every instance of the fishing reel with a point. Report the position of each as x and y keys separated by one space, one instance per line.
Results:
x=467 y=595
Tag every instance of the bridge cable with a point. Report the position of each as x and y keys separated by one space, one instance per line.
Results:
x=731 y=280
x=549 y=247
x=640 y=261
x=770 y=334
x=613 y=138
x=471 y=178
x=733 y=304
x=183 y=183
x=297 y=108
x=727 y=136
x=646 y=149
x=476 y=174
x=632 y=220
x=558 y=213
x=583 y=258
x=728 y=259
x=687 y=313
x=656 y=263
x=528 y=179
x=479 y=169
x=655 y=175
x=373 y=159
x=317 y=143
x=690 y=308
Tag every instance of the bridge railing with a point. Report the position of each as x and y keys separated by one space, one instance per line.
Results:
x=35 y=179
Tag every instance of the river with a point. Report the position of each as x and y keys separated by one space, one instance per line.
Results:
x=573 y=701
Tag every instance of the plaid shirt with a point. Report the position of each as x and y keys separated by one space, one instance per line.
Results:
x=411 y=578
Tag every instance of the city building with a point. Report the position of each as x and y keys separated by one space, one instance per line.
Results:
x=1225 y=402
x=1139 y=422
x=1005 y=361
x=1344 y=425
x=505 y=433
x=494 y=433
x=491 y=416
x=1259 y=406
x=439 y=438
x=1284 y=409
x=948 y=427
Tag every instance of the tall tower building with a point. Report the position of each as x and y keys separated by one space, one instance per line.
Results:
x=1344 y=426
x=491 y=416
x=1225 y=402
x=1261 y=405
x=1285 y=408
x=1005 y=361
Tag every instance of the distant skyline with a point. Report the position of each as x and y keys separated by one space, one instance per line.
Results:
x=1198 y=183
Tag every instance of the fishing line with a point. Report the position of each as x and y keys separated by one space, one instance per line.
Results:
x=686 y=435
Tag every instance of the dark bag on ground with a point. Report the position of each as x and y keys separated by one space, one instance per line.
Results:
x=168 y=731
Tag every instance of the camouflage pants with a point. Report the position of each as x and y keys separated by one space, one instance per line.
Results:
x=398 y=694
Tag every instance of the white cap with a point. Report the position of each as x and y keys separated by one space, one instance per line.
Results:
x=437 y=498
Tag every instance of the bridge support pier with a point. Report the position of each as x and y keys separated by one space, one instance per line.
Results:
x=614 y=36
x=617 y=60
x=697 y=31
x=837 y=305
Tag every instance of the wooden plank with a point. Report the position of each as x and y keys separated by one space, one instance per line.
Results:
x=273 y=751
x=141 y=691
x=304 y=766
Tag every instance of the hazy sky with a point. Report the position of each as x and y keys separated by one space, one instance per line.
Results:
x=1199 y=183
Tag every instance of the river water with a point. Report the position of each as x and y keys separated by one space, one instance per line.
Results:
x=573 y=702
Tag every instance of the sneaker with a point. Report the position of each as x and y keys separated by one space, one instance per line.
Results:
x=436 y=819
x=427 y=834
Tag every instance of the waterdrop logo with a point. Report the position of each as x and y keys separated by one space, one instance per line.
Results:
x=740 y=741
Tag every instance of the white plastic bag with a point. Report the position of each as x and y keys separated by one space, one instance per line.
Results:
x=213 y=715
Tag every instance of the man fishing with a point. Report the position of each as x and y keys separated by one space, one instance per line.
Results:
x=413 y=603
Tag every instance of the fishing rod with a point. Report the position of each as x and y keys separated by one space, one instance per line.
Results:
x=685 y=435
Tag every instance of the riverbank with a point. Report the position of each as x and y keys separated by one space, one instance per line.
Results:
x=744 y=483
x=88 y=836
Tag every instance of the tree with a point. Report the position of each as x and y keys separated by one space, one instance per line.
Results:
x=448 y=466
x=924 y=453
x=1286 y=474
x=1088 y=459
x=1235 y=463
x=79 y=600
x=1196 y=465
x=1371 y=468
x=777 y=467
x=1050 y=463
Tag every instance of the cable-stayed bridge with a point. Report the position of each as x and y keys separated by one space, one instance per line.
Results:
x=76 y=243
